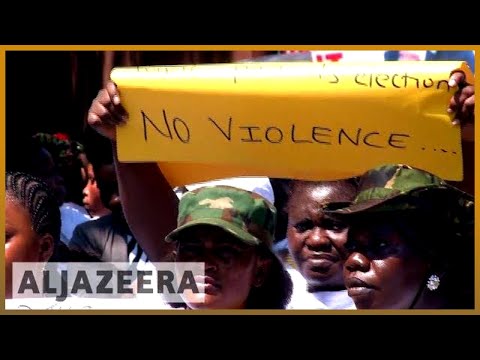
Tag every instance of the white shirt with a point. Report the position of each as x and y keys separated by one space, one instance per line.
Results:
x=258 y=184
x=302 y=299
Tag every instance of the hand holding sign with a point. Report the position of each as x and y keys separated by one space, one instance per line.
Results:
x=106 y=112
x=462 y=104
x=184 y=114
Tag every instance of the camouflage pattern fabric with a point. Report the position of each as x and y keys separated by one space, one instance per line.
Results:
x=401 y=187
x=245 y=214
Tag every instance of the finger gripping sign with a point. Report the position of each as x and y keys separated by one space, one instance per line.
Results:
x=313 y=121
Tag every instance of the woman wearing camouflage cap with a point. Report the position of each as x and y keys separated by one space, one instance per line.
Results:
x=231 y=230
x=410 y=242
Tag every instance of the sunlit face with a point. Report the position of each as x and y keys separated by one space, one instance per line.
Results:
x=382 y=271
x=22 y=243
x=230 y=267
x=316 y=240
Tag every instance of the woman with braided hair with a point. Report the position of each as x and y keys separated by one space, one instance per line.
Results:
x=32 y=222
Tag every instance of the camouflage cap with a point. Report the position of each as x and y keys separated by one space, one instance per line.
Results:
x=395 y=188
x=244 y=214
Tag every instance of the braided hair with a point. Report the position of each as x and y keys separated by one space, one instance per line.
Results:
x=35 y=196
x=60 y=146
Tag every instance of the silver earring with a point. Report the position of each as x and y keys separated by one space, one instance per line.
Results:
x=433 y=282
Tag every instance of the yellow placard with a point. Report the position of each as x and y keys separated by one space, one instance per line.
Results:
x=315 y=121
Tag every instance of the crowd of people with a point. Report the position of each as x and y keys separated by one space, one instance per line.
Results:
x=396 y=237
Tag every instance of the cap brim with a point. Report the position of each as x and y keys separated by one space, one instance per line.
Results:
x=361 y=207
x=227 y=226
x=378 y=205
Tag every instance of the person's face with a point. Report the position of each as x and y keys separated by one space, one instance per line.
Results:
x=91 y=193
x=230 y=267
x=315 y=240
x=382 y=271
x=22 y=243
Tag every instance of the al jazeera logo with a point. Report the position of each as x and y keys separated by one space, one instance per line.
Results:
x=171 y=280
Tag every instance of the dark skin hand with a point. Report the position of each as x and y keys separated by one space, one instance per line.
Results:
x=106 y=112
x=149 y=204
x=462 y=104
